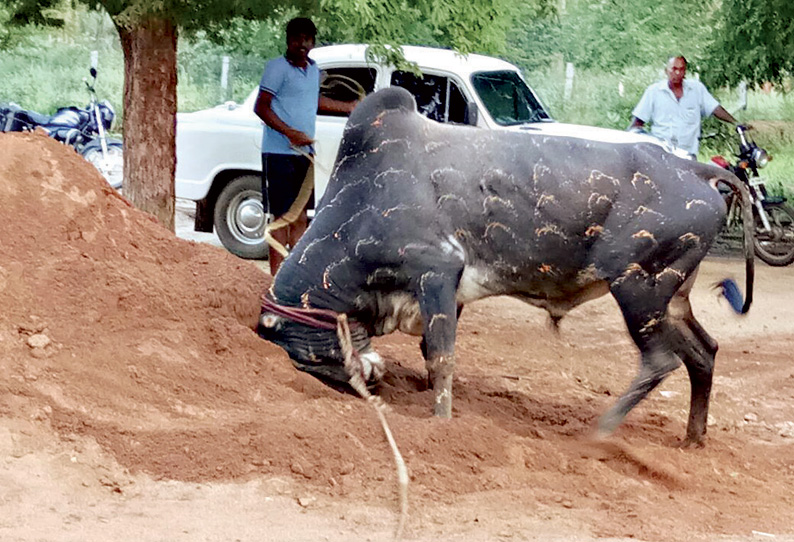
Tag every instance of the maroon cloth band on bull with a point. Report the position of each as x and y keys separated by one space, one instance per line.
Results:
x=319 y=318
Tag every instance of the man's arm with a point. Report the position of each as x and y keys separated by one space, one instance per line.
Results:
x=264 y=111
x=328 y=105
x=723 y=115
x=636 y=123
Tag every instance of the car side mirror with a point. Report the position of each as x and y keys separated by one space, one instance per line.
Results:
x=472 y=114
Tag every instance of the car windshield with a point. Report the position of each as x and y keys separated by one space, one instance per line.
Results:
x=507 y=98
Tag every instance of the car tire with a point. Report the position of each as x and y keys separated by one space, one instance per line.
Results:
x=240 y=218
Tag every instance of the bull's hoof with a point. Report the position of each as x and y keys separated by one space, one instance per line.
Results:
x=692 y=442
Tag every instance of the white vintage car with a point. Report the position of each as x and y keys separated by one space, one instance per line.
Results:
x=219 y=163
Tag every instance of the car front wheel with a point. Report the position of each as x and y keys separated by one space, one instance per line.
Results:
x=240 y=218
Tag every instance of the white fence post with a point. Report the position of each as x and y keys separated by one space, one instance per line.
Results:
x=224 y=78
x=743 y=95
x=568 y=81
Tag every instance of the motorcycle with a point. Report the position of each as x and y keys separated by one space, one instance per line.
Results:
x=774 y=218
x=85 y=129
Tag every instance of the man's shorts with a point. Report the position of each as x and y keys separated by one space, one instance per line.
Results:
x=283 y=176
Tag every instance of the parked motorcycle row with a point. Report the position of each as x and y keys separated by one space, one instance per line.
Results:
x=83 y=128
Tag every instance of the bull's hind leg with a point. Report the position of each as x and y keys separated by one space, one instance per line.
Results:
x=643 y=299
x=656 y=362
x=697 y=349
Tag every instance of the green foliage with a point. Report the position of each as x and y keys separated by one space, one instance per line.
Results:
x=45 y=68
x=613 y=34
x=464 y=25
x=754 y=41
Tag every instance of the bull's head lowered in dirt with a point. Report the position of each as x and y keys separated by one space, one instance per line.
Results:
x=420 y=218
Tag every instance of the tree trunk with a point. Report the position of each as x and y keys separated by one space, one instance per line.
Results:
x=150 y=116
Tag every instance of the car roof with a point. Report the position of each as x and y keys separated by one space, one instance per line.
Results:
x=424 y=57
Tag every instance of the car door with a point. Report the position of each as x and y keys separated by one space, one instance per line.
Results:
x=344 y=83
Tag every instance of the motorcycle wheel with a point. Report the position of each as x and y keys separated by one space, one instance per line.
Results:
x=240 y=218
x=776 y=247
x=111 y=169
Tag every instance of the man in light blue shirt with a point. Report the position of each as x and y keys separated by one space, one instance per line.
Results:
x=289 y=96
x=675 y=107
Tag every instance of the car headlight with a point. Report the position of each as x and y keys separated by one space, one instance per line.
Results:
x=760 y=157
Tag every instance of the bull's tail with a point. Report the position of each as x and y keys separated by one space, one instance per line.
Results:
x=729 y=288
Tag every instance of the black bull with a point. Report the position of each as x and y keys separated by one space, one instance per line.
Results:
x=420 y=218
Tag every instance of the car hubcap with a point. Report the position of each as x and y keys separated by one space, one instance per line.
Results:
x=248 y=218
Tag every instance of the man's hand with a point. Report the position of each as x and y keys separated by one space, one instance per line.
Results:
x=298 y=138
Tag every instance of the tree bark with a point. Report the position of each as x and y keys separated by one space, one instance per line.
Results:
x=150 y=116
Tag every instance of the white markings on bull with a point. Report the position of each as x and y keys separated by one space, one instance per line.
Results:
x=310 y=246
x=640 y=178
x=594 y=230
x=644 y=234
x=496 y=200
x=597 y=199
x=596 y=176
x=400 y=207
x=453 y=197
x=364 y=242
x=425 y=277
x=631 y=269
x=649 y=325
x=678 y=275
x=642 y=210
x=354 y=217
x=497 y=225
x=330 y=268
x=690 y=238
x=435 y=145
x=550 y=229
x=545 y=199
x=388 y=142
x=435 y=318
x=345 y=159
x=539 y=170
x=693 y=202
x=391 y=171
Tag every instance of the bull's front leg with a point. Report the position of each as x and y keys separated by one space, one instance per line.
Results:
x=439 y=317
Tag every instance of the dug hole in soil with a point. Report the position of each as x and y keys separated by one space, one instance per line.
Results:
x=137 y=403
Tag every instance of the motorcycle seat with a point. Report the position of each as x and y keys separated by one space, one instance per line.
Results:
x=30 y=119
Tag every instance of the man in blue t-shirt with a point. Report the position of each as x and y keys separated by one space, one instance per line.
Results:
x=674 y=108
x=289 y=96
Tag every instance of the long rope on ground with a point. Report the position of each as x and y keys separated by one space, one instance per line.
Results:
x=355 y=371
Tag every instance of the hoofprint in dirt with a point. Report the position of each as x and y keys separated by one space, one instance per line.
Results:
x=137 y=403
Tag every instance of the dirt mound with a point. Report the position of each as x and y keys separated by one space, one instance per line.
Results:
x=114 y=331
